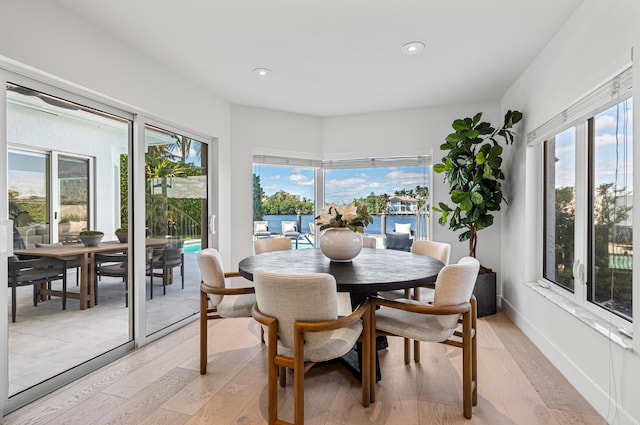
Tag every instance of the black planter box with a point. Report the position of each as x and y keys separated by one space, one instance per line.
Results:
x=485 y=292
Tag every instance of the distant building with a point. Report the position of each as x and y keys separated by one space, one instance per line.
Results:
x=403 y=205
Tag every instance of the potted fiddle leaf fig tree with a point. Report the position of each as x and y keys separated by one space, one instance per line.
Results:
x=472 y=169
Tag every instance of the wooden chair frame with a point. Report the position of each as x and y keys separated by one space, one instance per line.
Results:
x=277 y=363
x=464 y=337
x=207 y=313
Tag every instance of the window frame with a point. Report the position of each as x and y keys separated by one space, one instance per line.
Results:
x=583 y=222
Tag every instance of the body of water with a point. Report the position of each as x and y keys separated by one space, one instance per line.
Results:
x=275 y=222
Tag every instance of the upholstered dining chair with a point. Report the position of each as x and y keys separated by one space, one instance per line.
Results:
x=369 y=242
x=217 y=300
x=453 y=305
x=271 y=244
x=300 y=313
x=441 y=251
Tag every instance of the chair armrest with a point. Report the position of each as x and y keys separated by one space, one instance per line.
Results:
x=227 y=291
x=322 y=326
x=39 y=262
x=331 y=325
x=420 y=308
x=242 y=290
x=262 y=318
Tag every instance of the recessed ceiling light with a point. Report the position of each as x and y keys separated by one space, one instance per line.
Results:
x=262 y=72
x=412 y=48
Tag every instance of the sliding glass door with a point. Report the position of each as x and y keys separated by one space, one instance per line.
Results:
x=63 y=177
x=176 y=224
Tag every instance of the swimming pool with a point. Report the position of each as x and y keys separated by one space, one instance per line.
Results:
x=192 y=246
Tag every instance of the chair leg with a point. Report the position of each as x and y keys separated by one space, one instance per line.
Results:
x=151 y=281
x=64 y=290
x=164 y=280
x=407 y=351
x=466 y=366
x=282 y=376
x=372 y=354
x=95 y=288
x=365 y=372
x=416 y=344
x=13 y=303
x=272 y=374
x=298 y=386
x=474 y=351
x=203 y=332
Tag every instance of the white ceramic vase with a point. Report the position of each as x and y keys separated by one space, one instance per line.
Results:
x=340 y=244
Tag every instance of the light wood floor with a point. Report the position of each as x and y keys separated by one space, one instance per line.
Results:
x=160 y=384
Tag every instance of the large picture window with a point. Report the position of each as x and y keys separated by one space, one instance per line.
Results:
x=588 y=205
x=396 y=192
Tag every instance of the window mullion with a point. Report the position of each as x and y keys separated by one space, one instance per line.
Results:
x=581 y=214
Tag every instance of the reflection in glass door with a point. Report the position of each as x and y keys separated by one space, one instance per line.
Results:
x=73 y=197
x=29 y=203
x=54 y=143
x=176 y=222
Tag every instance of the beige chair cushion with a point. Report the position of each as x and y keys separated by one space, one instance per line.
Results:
x=273 y=244
x=454 y=285
x=210 y=263
x=236 y=305
x=369 y=242
x=438 y=250
x=309 y=297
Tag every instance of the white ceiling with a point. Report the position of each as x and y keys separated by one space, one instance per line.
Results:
x=337 y=57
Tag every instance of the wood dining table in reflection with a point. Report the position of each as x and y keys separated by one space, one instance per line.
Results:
x=85 y=255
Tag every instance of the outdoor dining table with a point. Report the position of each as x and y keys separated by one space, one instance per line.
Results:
x=84 y=254
x=373 y=270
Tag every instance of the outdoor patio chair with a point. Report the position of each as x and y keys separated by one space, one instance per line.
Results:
x=71 y=264
x=301 y=316
x=112 y=265
x=166 y=259
x=453 y=304
x=291 y=231
x=398 y=241
x=36 y=272
x=261 y=229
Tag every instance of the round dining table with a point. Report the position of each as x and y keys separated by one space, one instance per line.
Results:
x=371 y=271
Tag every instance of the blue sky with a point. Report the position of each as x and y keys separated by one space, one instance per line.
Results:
x=341 y=185
x=607 y=167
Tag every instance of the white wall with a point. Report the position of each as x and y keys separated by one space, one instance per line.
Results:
x=393 y=133
x=257 y=131
x=592 y=47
